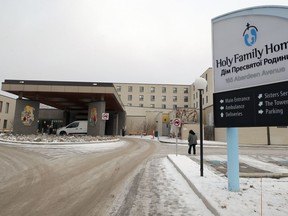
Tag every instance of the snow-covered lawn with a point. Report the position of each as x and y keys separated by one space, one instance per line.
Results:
x=46 y=139
x=257 y=196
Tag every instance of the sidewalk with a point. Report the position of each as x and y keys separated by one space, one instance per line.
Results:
x=165 y=139
x=206 y=143
x=257 y=196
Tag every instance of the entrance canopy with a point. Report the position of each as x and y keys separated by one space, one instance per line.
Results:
x=66 y=95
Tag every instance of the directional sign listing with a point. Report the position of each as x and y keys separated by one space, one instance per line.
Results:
x=233 y=108
x=258 y=106
x=272 y=105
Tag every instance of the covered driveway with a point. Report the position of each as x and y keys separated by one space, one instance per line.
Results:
x=69 y=97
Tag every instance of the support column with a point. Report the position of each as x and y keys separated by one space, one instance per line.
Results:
x=121 y=122
x=96 y=126
x=115 y=124
x=26 y=117
x=233 y=159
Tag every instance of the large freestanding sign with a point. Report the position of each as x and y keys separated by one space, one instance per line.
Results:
x=250 y=63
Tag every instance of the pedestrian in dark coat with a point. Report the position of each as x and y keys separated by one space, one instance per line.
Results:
x=192 y=142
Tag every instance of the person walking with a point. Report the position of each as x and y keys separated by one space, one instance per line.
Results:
x=192 y=142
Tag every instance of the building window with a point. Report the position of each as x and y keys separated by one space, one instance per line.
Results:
x=141 y=105
x=163 y=98
x=174 y=106
x=7 y=108
x=152 y=89
x=141 y=89
x=129 y=104
x=163 y=89
x=207 y=88
x=130 y=88
x=163 y=106
x=129 y=97
x=174 y=98
x=152 y=98
x=152 y=105
x=118 y=88
x=141 y=97
x=185 y=90
x=207 y=99
x=185 y=98
x=185 y=106
x=174 y=90
x=5 y=124
x=1 y=104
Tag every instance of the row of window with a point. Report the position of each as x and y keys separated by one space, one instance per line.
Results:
x=163 y=106
x=153 y=98
x=203 y=102
x=6 y=108
x=152 y=89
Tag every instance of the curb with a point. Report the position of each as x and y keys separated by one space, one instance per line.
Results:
x=263 y=175
x=196 y=191
x=57 y=143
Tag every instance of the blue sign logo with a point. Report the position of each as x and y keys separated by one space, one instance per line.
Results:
x=250 y=35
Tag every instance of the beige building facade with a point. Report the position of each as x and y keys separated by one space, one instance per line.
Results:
x=152 y=96
x=7 y=109
x=148 y=105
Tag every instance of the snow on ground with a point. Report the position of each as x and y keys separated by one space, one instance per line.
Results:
x=58 y=146
x=45 y=138
x=163 y=191
x=257 y=196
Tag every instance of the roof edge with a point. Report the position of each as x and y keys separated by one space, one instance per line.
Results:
x=64 y=83
x=272 y=10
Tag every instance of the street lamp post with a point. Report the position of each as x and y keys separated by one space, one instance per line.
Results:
x=200 y=84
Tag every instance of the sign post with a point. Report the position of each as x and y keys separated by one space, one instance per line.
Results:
x=233 y=158
x=177 y=123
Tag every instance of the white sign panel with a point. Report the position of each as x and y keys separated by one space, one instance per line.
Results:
x=250 y=48
x=105 y=116
x=177 y=122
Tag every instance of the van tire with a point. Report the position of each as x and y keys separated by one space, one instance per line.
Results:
x=63 y=133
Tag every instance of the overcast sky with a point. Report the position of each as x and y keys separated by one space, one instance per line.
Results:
x=130 y=41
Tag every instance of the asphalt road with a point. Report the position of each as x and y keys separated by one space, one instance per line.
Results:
x=35 y=182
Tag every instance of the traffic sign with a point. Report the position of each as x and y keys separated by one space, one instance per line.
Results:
x=105 y=116
x=265 y=105
x=177 y=122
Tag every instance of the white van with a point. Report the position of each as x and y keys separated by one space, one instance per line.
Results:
x=76 y=127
